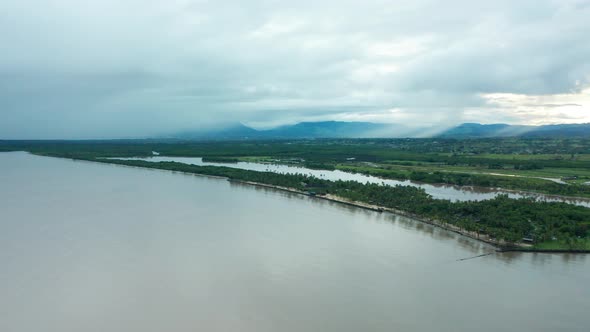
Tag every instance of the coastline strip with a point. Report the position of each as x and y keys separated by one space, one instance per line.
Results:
x=500 y=245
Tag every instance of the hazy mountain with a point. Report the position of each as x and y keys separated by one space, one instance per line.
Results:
x=324 y=129
x=561 y=130
x=336 y=129
x=339 y=129
x=473 y=130
x=476 y=130
x=234 y=131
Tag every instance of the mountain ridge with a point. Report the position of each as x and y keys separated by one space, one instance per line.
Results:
x=343 y=129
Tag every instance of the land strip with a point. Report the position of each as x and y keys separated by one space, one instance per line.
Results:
x=414 y=203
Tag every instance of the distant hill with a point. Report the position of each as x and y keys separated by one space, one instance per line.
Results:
x=235 y=131
x=336 y=129
x=324 y=129
x=340 y=129
x=476 y=130
x=561 y=130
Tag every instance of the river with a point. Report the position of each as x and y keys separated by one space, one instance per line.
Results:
x=441 y=191
x=97 y=247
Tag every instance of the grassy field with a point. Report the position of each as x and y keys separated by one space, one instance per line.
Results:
x=556 y=173
x=528 y=156
x=579 y=244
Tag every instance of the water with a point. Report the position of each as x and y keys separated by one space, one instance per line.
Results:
x=97 y=247
x=441 y=191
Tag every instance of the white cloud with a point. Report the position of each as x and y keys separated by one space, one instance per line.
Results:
x=542 y=109
x=124 y=68
x=399 y=48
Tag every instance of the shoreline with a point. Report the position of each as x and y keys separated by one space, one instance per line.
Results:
x=500 y=190
x=536 y=194
x=499 y=245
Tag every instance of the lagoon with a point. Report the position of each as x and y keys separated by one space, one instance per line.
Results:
x=439 y=191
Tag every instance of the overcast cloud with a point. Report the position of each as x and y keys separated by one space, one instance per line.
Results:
x=130 y=68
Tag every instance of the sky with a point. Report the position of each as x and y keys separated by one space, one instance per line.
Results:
x=131 y=68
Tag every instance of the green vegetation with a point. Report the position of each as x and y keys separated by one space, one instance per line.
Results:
x=221 y=160
x=570 y=243
x=319 y=165
x=481 y=180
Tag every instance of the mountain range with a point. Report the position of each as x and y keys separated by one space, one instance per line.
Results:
x=476 y=130
x=340 y=129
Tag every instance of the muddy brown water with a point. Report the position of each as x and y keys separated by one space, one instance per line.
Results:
x=97 y=247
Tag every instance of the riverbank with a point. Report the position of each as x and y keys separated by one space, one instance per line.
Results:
x=538 y=194
x=499 y=245
x=445 y=178
x=437 y=190
x=370 y=193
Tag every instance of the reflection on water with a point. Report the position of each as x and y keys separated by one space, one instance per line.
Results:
x=441 y=191
x=97 y=247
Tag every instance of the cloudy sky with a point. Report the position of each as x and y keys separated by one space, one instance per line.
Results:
x=132 y=68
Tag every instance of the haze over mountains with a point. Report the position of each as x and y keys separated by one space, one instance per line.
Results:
x=475 y=130
x=338 y=129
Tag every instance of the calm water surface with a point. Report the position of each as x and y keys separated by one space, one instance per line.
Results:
x=441 y=191
x=96 y=247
